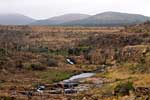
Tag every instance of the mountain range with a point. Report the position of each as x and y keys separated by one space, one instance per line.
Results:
x=110 y=19
x=102 y=19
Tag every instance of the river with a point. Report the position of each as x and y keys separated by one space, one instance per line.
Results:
x=79 y=76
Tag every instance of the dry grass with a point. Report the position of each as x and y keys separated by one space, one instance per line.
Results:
x=27 y=45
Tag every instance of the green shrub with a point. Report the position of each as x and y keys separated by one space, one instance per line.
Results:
x=52 y=62
x=53 y=75
x=79 y=50
x=37 y=66
x=141 y=68
x=58 y=52
x=7 y=98
x=2 y=52
x=38 y=49
x=19 y=65
x=123 y=89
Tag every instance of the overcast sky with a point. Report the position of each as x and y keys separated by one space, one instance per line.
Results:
x=41 y=9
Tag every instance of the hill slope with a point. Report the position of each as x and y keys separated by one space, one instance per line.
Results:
x=61 y=19
x=15 y=19
x=110 y=19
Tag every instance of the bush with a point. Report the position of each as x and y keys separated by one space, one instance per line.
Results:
x=52 y=62
x=78 y=51
x=141 y=68
x=19 y=65
x=2 y=52
x=6 y=98
x=37 y=66
x=39 y=49
x=123 y=88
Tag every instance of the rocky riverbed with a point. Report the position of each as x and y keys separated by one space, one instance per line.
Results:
x=74 y=85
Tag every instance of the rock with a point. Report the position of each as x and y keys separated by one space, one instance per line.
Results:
x=70 y=91
x=70 y=61
x=56 y=91
x=40 y=88
x=141 y=91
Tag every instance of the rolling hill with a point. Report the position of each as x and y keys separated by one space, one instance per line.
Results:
x=58 y=20
x=15 y=19
x=110 y=19
x=102 y=19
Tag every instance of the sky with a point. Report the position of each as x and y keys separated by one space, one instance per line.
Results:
x=41 y=9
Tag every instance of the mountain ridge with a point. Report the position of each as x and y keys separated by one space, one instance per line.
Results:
x=57 y=20
x=109 y=18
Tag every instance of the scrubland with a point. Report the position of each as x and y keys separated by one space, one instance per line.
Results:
x=31 y=55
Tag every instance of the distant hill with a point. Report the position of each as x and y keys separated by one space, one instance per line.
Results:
x=15 y=19
x=110 y=19
x=61 y=19
x=102 y=19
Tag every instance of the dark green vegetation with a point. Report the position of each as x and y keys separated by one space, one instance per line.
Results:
x=52 y=76
x=123 y=88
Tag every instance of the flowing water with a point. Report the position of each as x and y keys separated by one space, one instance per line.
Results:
x=80 y=76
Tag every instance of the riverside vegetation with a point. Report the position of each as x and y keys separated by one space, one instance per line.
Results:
x=32 y=55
